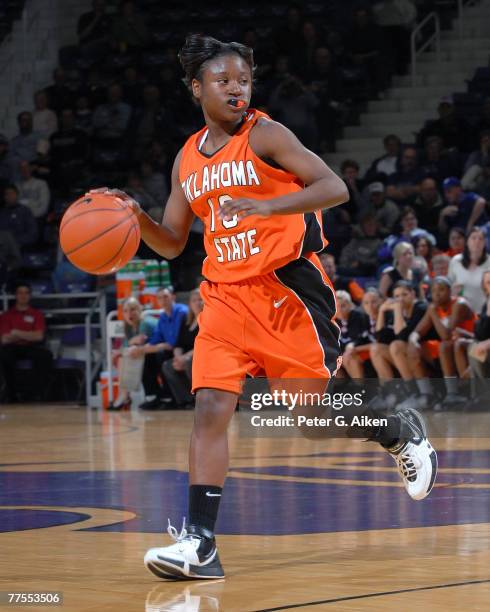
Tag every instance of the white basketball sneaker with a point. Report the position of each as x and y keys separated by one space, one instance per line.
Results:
x=414 y=456
x=193 y=556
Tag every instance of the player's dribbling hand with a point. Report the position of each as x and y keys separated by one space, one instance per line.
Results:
x=244 y=207
x=123 y=196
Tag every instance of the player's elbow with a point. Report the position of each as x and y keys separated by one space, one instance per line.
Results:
x=338 y=191
x=173 y=251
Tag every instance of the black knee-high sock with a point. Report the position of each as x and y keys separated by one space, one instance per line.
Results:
x=204 y=505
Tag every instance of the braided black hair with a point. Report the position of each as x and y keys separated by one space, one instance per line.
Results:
x=198 y=49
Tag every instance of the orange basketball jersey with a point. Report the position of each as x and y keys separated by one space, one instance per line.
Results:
x=445 y=313
x=238 y=249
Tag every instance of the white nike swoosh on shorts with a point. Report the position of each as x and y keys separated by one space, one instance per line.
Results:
x=280 y=302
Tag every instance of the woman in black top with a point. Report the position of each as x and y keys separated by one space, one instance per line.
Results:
x=397 y=318
x=356 y=330
x=178 y=370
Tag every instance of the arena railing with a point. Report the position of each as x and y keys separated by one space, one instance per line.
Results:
x=91 y=315
x=433 y=39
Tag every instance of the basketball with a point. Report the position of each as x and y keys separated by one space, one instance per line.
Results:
x=99 y=233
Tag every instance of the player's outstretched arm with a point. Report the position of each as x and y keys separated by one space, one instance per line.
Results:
x=324 y=189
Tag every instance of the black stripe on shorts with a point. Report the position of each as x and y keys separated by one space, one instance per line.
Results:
x=304 y=278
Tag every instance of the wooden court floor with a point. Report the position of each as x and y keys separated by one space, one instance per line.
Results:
x=303 y=525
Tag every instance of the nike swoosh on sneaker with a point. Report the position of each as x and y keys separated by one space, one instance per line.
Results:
x=278 y=303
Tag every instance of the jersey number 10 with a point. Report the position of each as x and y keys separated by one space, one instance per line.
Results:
x=227 y=224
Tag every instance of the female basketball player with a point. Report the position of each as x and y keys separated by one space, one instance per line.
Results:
x=259 y=193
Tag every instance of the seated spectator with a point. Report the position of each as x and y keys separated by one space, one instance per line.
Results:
x=360 y=256
x=287 y=37
x=457 y=241
x=137 y=331
x=424 y=249
x=349 y=171
x=464 y=209
x=439 y=265
x=386 y=211
x=178 y=370
x=403 y=268
x=466 y=270
x=295 y=106
x=44 y=120
x=7 y=162
x=111 y=119
x=133 y=85
x=24 y=145
x=10 y=258
x=478 y=157
x=428 y=205
x=366 y=50
x=356 y=330
x=402 y=186
x=159 y=348
x=129 y=30
x=478 y=177
x=408 y=231
x=326 y=83
x=136 y=189
x=69 y=152
x=386 y=165
x=432 y=339
x=437 y=162
x=452 y=129
x=154 y=182
x=149 y=122
x=60 y=95
x=22 y=333
x=396 y=20
x=83 y=115
x=93 y=30
x=478 y=349
x=343 y=283
x=397 y=319
x=17 y=218
x=33 y=192
x=303 y=61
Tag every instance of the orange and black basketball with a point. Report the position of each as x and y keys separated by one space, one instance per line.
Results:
x=99 y=233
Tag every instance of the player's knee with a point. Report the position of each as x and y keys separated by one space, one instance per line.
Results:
x=413 y=353
x=397 y=348
x=213 y=410
x=376 y=351
x=446 y=347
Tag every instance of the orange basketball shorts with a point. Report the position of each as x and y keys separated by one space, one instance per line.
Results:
x=432 y=348
x=279 y=325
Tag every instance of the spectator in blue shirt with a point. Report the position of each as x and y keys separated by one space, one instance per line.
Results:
x=465 y=208
x=160 y=348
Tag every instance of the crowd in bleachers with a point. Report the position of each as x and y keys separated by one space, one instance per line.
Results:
x=117 y=113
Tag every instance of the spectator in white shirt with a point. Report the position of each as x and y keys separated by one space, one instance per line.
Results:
x=33 y=192
x=45 y=121
x=466 y=269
